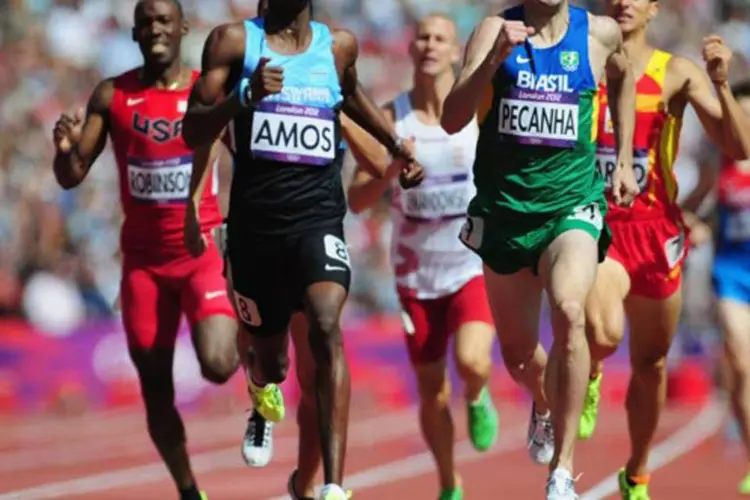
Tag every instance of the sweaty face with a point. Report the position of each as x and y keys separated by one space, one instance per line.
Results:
x=632 y=15
x=158 y=30
x=435 y=47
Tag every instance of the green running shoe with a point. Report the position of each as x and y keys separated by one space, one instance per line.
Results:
x=483 y=422
x=590 y=408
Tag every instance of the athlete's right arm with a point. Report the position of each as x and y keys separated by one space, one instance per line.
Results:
x=79 y=141
x=210 y=109
x=373 y=174
x=480 y=64
x=489 y=45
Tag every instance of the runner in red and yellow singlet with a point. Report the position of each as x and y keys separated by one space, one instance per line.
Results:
x=641 y=277
x=654 y=270
x=142 y=112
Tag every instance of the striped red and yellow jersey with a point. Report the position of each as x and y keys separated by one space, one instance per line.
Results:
x=656 y=142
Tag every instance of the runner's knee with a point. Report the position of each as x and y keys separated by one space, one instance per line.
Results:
x=473 y=364
x=518 y=355
x=325 y=333
x=736 y=349
x=215 y=340
x=603 y=334
x=434 y=386
x=653 y=363
x=568 y=315
x=218 y=366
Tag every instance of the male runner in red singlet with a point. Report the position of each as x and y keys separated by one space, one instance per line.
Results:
x=142 y=110
x=643 y=267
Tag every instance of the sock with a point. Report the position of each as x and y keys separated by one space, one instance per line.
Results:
x=636 y=480
x=190 y=493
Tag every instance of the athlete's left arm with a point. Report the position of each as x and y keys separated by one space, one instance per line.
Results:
x=620 y=85
x=722 y=118
x=204 y=157
x=357 y=104
x=368 y=152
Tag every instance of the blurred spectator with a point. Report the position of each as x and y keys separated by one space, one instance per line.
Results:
x=62 y=247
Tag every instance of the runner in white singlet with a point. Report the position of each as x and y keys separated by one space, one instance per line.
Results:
x=439 y=281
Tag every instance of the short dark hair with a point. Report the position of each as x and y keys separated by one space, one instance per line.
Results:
x=263 y=6
x=741 y=89
x=176 y=3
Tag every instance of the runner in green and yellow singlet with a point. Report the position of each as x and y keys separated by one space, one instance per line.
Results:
x=537 y=218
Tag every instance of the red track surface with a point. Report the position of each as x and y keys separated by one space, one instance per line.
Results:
x=108 y=456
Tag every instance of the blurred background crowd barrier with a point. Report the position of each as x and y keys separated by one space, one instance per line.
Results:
x=61 y=343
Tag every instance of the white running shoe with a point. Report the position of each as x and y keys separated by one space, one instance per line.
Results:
x=561 y=485
x=540 y=439
x=257 y=445
x=332 y=492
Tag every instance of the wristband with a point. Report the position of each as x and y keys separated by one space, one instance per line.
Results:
x=396 y=151
x=243 y=93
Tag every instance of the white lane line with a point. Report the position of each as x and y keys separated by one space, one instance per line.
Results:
x=705 y=424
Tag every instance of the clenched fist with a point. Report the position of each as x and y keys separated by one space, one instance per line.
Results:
x=717 y=56
x=511 y=34
x=67 y=131
x=266 y=80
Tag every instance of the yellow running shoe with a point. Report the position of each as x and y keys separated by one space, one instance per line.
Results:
x=204 y=496
x=631 y=492
x=744 y=486
x=590 y=408
x=268 y=401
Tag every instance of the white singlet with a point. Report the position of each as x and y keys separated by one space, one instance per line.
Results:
x=429 y=259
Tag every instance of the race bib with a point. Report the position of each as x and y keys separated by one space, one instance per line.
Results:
x=438 y=197
x=738 y=225
x=674 y=249
x=589 y=214
x=539 y=118
x=160 y=181
x=606 y=162
x=292 y=133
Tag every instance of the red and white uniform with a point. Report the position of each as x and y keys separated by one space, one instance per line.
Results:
x=160 y=279
x=440 y=282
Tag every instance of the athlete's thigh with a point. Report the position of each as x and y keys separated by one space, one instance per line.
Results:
x=734 y=317
x=264 y=290
x=425 y=327
x=605 y=311
x=150 y=309
x=324 y=273
x=652 y=326
x=204 y=295
x=470 y=317
x=568 y=266
x=515 y=301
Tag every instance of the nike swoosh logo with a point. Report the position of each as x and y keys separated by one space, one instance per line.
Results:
x=522 y=60
x=133 y=102
x=334 y=268
x=213 y=295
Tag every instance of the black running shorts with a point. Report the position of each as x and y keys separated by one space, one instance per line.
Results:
x=270 y=277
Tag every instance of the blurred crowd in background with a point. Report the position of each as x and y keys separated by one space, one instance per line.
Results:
x=59 y=251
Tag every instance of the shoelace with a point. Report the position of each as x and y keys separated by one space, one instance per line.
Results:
x=569 y=484
x=542 y=431
x=258 y=431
